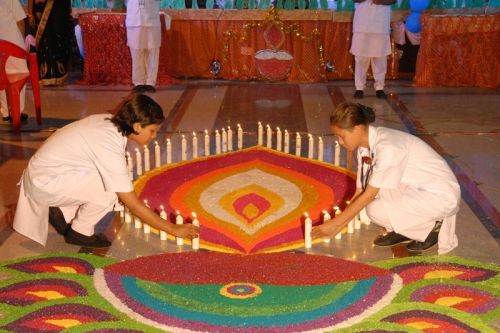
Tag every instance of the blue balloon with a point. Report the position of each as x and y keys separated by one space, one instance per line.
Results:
x=413 y=22
x=419 y=5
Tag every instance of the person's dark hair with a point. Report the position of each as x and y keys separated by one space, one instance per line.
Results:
x=348 y=114
x=140 y=109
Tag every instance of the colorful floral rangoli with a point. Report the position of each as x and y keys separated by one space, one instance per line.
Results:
x=250 y=201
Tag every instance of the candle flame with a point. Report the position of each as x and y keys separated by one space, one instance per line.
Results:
x=177 y=212
x=194 y=215
x=161 y=207
x=168 y=141
x=306 y=214
x=206 y=132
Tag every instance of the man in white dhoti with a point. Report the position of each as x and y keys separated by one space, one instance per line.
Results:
x=12 y=30
x=406 y=187
x=144 y=40
x=371 y=43
x=76 y=176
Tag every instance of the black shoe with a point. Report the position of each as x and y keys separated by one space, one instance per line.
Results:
x=24 y=118
x=380 y=94
x=358 y=94
x=140 y=88
x=429 y=242
x=96 y=241
x=56 y=219
x=149 y=88
x=390 y=239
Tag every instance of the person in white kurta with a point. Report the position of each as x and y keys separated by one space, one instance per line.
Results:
x=144 y=40
x=12 y=14
x=82 y=170
x=371 y=43
x=405 y=185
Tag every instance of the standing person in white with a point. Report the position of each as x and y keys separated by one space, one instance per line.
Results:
x=78 y=174
x=371 y=43
x=12 y=30
x=144 y=40
x=406 y=187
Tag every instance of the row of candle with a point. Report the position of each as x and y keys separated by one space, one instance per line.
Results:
x=224 y=143
x=355 y=223
x=138 y=224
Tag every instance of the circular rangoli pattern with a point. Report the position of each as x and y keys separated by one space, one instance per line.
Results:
x=250 y=201
x=218 y=292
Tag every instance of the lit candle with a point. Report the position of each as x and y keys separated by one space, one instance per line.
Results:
x=310 y=152
x=224 y=140
x=229 y=139
x=260 y=134
x=337 y=211
x=240 y=137
x=217 y=142
x=207 y=143
x=183 y=148
x=307 y=231
x=320 y=149
x=130 y=166
x=128 y=216
x=146 y=227
x=286 y=146
x=146 y=159
x=326 y=217
x=138 y=160
x=195 y=242
x=278 y=139
x=157 y=155
x=269 y=135
x=195 y=145
x=336 y=159
x=137 y=222
x=169 y=151
x=298 y=144
x=179 y=220
x=163 y=215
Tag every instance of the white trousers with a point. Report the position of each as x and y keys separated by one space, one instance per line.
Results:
x=145 y=66
x=4 y=107
x=379 y=68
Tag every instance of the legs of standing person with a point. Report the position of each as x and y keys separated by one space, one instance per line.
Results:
x=360 y=69
x=152 y=63
x=139 y=74
x=379 y=69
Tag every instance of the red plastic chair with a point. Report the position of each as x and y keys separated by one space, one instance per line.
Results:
x=13 y=83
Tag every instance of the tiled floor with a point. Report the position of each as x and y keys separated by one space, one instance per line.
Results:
x=461 y=123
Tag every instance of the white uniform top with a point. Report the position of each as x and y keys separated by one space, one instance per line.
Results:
x=371 y=27
x=10 y=13
x=143 y=24
x=403 y=163
x=84 y=161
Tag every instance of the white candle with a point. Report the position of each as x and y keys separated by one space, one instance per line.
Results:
x=183 y=148
x=260 y=134
x=337 y=211
x=229 y=139
x=321 y=149
x=179 y=220
x=326 y=217
x=286 y=146
x=138 y=163
x=195 y=242
x=207 y=143
x=310 y=149
x=364 y=217
x=240 y=137
x=146 y=159
x=336 y=159
x=169 y=151
x=163 y=215
x=307 y=231
x=157 y=155
x=137 y=222
x=195 y=145
x=217 y=142
x=224 y=140
x=130 y=166
x=269 y=135
x=278 y=139
x=298 y=144
x=128 y=216
x=146 y=227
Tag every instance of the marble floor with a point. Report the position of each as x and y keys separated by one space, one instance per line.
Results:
x=462 y=124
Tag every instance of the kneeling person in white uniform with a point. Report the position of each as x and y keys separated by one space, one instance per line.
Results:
x=406 y=187
x=78 y=174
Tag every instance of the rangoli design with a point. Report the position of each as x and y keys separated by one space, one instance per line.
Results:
x=250 y=201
